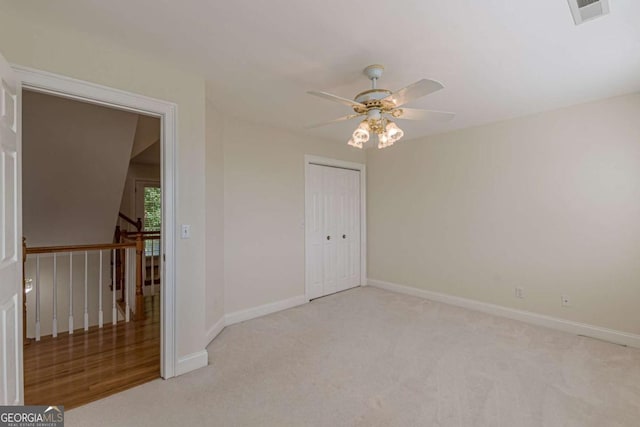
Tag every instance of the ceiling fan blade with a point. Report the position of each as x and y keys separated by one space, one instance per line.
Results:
x=341 y=119
x=336 y=98
x=417 y=114
x=413 y=91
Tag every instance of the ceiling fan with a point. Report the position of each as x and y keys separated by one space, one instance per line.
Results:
x=380 y=105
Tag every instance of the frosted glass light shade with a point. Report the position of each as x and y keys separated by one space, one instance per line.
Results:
x=361 y=134
x=383 y=140
x=394 y=132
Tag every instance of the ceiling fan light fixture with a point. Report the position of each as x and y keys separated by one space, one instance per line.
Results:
x=374 y=114
x=393 y=131
x=355 y=144
x=384 y=141
x=361 y=134
x=377 y=105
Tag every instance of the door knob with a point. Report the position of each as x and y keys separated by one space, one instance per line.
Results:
x=328 y=237
x=344 y=236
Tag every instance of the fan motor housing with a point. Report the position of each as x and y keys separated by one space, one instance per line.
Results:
x=373 y=99
x=372 y=94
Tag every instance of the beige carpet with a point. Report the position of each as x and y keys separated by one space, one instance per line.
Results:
x=368 y=357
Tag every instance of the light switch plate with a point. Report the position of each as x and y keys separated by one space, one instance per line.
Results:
x=185 y=231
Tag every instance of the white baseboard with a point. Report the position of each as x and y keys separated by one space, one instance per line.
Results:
x=263 y=310
x=618 y=337
x=215 y=330
x=192 y=362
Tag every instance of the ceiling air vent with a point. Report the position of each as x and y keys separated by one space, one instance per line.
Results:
x=586 y=10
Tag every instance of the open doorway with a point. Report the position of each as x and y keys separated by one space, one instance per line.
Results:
x=93 y=273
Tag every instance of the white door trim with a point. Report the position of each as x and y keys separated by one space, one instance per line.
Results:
x=325 y=161
x=45 y=82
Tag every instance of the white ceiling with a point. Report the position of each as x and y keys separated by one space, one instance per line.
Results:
x=497 y=58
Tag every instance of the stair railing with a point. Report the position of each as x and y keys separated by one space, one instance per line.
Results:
x=37 y=254
x=140 y=238
x=122 y=226
x=137 y=223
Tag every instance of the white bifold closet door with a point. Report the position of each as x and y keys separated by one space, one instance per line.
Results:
x=333 y=230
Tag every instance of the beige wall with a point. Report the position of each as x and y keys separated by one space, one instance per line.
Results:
x=264 y=211
x=74 y=161
x=214 y=307
x=29 y=41
x=147 y=134
x=550 y=203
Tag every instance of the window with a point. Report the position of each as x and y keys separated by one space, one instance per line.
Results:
x=152 y=218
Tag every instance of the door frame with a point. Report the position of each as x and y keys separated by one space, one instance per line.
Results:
x=342 y=164
x=70 y=88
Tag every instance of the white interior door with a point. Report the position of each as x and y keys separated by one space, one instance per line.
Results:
x=333 y=230
x=330 y=226
x=11 y=384
x=348 y=218
x=315 y=232
x=354 y=230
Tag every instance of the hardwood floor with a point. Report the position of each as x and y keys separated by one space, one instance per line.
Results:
x=73 y=370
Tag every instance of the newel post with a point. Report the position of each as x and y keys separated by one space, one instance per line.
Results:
x=139 y=296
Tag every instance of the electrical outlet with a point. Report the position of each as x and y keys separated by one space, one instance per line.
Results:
x=565 y=301
x=519 y=292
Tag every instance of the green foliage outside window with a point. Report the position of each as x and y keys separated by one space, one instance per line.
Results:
x=152 y=218
x=152 y=209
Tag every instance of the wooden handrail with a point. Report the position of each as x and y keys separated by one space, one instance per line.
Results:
x=140 y=232
x=144 y=235
x=77 y=248
x=137 y=224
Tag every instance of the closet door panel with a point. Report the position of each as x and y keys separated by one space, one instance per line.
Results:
x=343 y=223
x=333 y=255
x=329 y=206
x=353 y=229
x=315 y=232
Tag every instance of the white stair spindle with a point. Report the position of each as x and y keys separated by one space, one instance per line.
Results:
x=126 y=286
x=70 y=293
x=153 y=281
x=37 y=298
x=86 y=309
x=54 y=327
x=114 y=310
x=100 y=313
